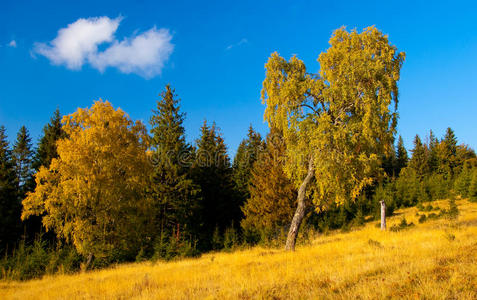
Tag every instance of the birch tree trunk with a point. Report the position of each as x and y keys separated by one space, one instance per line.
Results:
x=300 y=210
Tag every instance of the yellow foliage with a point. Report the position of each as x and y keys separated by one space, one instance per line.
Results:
x=344 y=117
x=93 y=194
x=433 y=260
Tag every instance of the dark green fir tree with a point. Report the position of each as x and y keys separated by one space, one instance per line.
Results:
x=52 y=132
x=418 y=160
x=433 y=158
x=247 y=153
x=173 y=190
x=10 y=207
x=213 y=172
x=448 y=154
x=402 y=158
x=23 y=158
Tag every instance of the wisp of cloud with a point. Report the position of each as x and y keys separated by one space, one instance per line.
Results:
x=143 y=54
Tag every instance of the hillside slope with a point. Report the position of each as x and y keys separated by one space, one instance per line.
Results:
x=433 y=260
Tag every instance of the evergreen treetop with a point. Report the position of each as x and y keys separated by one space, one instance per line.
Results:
x=167 y=131
x=10 y=208
x=401 y=156
x=247 y=153
x=419 y=157
x=174 y=193
x=47 y=150
x=23 y=158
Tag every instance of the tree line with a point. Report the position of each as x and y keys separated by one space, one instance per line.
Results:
x=100 y=188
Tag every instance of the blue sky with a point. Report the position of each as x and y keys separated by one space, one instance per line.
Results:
x=216 y=56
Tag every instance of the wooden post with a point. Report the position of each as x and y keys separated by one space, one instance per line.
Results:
x=88 y=261
x=383 y=215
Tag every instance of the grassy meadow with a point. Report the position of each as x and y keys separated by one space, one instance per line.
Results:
x=436 y=259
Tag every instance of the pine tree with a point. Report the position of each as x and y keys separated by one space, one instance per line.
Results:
x=175 y=195
x=10 y=207
x=402 y=158
x=23 y=158
x=247 y=153
x=47 y=149
x=213 y=172
x=419 y=158
x=272 y=199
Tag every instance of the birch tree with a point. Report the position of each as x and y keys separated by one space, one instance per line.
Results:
x=336 y=122
x=92 y=194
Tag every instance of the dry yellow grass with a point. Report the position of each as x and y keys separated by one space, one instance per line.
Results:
x=433 y=260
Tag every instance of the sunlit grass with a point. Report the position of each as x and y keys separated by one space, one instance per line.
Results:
x=433 y=260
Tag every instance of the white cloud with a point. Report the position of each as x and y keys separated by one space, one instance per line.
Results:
x=78 y=41
x=144 y=54
x=77 y=44
x=241 y=42
x=12 y=44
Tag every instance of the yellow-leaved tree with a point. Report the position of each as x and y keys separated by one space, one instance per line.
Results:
x=93 y=194
x=338 y=122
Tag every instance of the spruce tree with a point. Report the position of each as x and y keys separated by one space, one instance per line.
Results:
x=408 y=188
x=388 y=162
x=23 y=158
x=272 y=199
x=433 y=159
x=448 y=152
x=47 y=150
x=10 y=207
x=418 y=160
x=213 y=172
x=174 y=193
x=401 y=156
x=464 y=155
x=463 y=181
x=247 y=153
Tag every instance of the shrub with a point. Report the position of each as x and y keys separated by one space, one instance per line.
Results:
x=450 y=237
x=463 y=181
x=217 y=242
x=231 y=239
x=141 y=255
x=437 y=187
x=402 y=225
x=168 y=248
x=33 y=261
x=453 y=211
x=422 y=218
x=374 y=243
x=63 y=260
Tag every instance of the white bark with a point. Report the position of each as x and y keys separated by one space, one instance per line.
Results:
x=300 y=210
x=383 y=215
